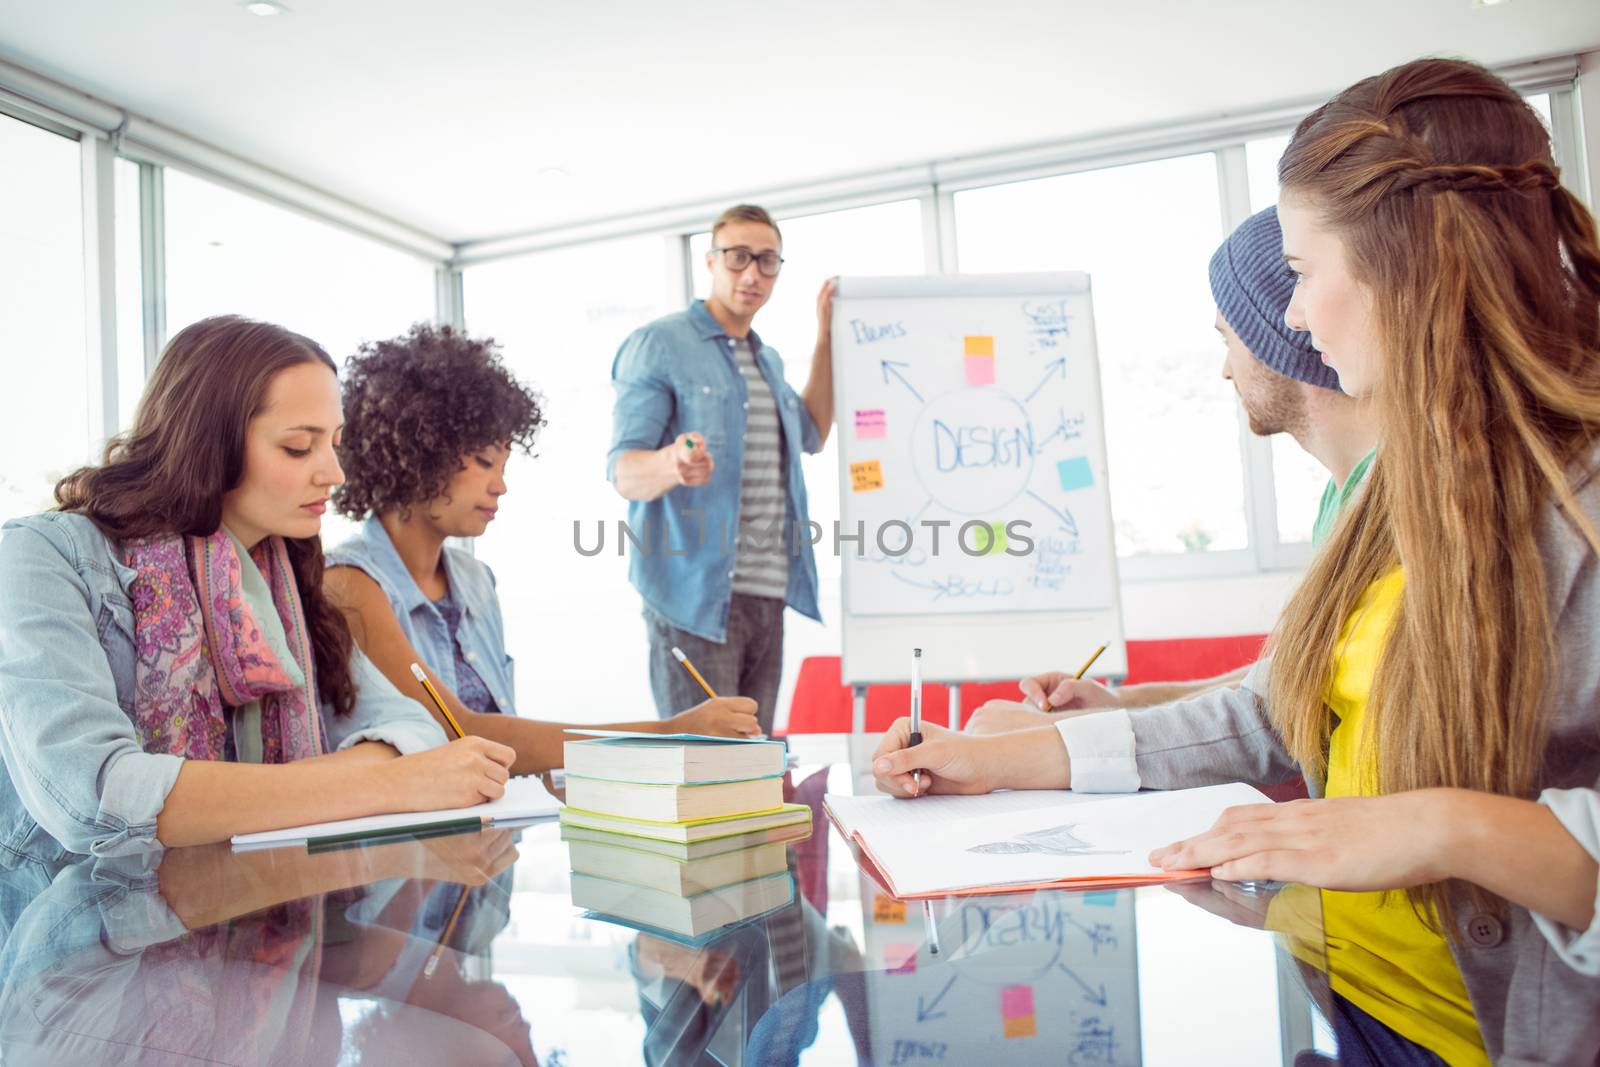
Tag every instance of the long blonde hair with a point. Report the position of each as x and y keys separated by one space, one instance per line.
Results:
x=1485 y=278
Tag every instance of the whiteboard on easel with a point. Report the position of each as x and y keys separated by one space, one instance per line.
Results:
x=972 y=467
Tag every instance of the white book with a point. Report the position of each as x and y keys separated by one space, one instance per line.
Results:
x=1089 y=838
x=689 y=832
x=693 y=850
x=525 y=798
x=678 y=914
x=674 y=803
x=683 y=877
x=673 y=759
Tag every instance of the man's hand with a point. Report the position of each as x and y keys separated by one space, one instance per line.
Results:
x=825 y=311
x=691 y=459
x=1060 y=691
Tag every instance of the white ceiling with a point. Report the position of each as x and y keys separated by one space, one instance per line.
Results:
x=443 y=114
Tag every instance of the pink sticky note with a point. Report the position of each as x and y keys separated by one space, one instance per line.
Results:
x=871 y=423
x=980 y=370
x=1016 y=1001
x=901 y=959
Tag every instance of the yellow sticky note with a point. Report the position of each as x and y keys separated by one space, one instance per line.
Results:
x=886 y=909
x=866 y=475
x=980 y=345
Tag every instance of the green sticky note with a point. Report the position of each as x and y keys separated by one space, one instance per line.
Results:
x=997 y=538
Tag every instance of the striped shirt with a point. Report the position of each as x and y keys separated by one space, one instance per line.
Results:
x=761 y=568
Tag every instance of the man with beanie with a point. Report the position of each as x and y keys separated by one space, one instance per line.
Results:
x=1280 y=378
x=1285 y=388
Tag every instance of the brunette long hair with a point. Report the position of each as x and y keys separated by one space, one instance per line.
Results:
x=168 y=474
x=1485 y=279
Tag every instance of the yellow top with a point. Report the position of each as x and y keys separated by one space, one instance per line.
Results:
x=1381 y=955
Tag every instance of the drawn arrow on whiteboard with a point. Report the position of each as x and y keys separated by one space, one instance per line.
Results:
x=1095 y=997
x=1066 y=520
x=924 y=1013
x=889 y=368
x=1052 y=369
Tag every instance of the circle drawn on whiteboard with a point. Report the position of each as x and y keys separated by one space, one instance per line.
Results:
x=972 y=450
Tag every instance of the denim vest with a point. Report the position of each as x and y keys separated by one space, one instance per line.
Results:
x=482 y=633
x=77 y=779
x=677 y=375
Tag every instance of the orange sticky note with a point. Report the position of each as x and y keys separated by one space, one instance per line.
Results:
x=866 y=475
x=886 y=909
x=979 y=346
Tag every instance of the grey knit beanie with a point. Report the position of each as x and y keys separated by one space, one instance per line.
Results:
x=1252 y=286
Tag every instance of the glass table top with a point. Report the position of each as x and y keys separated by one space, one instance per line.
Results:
x=469 y=949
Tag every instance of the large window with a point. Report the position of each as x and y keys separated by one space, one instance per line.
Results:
x=1145 y=234
x=46 y=431
x=228 y=253
x=572 y=621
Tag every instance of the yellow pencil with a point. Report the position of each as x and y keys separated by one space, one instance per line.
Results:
x=1045 y=703
x=438 y=702
x=681 y=658
x=1085 y=668
x=444 y=938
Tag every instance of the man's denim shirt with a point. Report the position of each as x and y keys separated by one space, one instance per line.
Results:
x=482 y=635
x=77 y=779
x=678 y=375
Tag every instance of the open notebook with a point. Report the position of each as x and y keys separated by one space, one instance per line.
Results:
x=1016 y=841
x=525 y=798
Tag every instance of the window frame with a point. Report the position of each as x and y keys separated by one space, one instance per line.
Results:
x=61 y=111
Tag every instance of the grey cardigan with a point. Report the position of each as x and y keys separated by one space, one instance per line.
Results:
x=1535 y=985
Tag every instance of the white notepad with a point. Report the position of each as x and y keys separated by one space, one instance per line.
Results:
x=525 y=798
x=972 y=844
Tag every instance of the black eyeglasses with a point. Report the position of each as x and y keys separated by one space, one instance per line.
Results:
x=738 y=258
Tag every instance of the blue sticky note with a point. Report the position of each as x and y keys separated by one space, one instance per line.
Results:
x=1075 y=474
x=1105 y=899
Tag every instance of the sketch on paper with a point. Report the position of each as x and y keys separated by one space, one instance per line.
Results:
x=1049 y=841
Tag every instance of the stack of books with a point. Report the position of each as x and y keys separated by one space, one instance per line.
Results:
x=679 y=834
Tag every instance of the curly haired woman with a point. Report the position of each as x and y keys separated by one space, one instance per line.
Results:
x=430 y=420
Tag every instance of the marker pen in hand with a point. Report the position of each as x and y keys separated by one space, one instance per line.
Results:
x=916 y=712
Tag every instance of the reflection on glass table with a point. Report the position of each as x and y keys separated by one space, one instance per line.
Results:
x=469 y=949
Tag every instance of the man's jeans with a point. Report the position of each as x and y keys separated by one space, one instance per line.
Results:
x=749 y=664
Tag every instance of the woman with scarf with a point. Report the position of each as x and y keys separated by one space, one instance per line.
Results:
x=170 y=671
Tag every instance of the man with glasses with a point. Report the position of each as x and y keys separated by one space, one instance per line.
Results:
x=706 y=442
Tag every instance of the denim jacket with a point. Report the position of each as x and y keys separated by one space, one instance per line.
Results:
x=482 y=633
x=678 y=375
x=77 y=779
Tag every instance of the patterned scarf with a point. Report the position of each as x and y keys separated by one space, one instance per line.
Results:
x=198 y=648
